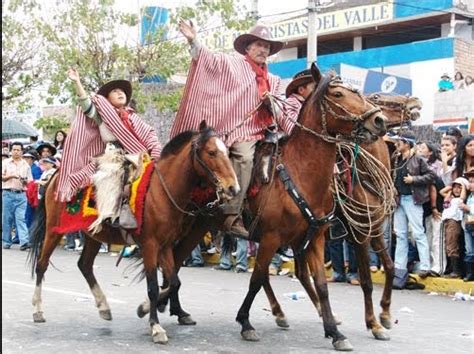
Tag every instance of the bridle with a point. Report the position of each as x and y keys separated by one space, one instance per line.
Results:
x=195 y=147
x=326 y=105
x=209 y=207
x=402 y=107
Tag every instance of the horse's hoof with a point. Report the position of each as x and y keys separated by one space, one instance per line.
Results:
x=282 y=322
x=381 y=334
x=386 y=322
x=158 y=334
x=106 y=315
x=250 y=335
x=141 y=311
x=38 y=317
x=161 y=308
x=343 y=345
x=186 y=321
x=160 y=338
x=337 y=320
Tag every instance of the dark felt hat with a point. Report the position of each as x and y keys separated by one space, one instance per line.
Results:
x=49 y=146
x=302 y=78
x=257 y=32
x=124 y=85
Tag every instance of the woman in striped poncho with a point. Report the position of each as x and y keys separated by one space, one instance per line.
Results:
x=104 y=118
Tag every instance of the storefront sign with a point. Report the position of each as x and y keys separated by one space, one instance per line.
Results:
x=341 y=20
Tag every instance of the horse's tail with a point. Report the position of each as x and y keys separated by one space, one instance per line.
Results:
x=37 y=234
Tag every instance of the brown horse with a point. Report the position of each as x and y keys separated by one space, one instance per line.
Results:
x=399 y=110
x=308 y=156
x=188 y=159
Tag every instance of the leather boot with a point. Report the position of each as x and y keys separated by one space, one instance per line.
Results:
x=456 y=268
x=235 y=226
x=469 y=271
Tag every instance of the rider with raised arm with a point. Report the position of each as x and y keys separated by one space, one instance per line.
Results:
x=230 y=92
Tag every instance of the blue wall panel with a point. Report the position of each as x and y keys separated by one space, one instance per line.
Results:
x=373 y=58
x=405 y=8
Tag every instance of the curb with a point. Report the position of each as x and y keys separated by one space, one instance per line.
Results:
x=439 y=285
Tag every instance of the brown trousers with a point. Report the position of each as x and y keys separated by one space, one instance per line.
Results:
x=452 y=234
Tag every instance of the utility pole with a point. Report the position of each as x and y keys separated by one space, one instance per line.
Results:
x=312 y=44
x=254 y=10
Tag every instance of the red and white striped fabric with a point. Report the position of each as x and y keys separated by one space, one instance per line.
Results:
x=222 y=89
x=84 y=142
x=293 y=106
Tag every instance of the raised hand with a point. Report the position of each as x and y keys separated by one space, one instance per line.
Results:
x=187 y=29
x=73 y=74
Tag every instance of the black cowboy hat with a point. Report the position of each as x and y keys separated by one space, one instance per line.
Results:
x=124 y=85
x=48 y=145
x=302 y=78
x=257 y=32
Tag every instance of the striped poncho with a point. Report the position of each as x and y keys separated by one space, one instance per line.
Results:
x=222 y=89
x=84 y=142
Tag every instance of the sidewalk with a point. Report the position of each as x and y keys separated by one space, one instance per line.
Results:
x=439 y=285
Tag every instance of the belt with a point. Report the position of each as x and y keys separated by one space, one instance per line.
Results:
x=13 y=190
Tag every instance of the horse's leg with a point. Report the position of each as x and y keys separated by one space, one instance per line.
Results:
x=181 y=251
x=280 y=317
x=50 y=243
x=259 y=278
x=150 y=259
x=362 y=252
x=173 y=284
x=85 y=264
x=378 y=244
x=315 y=257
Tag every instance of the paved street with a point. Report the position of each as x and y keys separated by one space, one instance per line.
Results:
x=424 y=324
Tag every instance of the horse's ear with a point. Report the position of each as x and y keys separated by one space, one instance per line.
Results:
x=315 y=73
x=203 y=125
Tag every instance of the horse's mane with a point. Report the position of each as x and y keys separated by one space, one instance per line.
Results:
x=174 y=146
x=320 y=91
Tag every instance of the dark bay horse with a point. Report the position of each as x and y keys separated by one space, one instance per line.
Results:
x=308 y=156
x=188 y=159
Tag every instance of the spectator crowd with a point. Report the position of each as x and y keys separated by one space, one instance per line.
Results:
x=431 y=232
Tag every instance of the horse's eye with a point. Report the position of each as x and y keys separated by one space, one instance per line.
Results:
x=375 y=97
x=212 y=153
x=337 y=94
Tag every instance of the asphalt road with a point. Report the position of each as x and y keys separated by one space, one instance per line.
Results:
x=424 y=323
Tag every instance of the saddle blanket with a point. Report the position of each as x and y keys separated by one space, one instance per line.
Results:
x=80 y=212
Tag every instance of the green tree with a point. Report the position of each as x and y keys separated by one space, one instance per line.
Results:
x=91 y=36
x=51 y=124
x=23 y=62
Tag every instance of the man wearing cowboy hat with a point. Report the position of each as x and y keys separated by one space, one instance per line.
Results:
x=102 y=119
x=231 y=93
x=297 y=91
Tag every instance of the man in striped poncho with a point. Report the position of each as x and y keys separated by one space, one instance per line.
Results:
x=102 y=119
x=230 y=93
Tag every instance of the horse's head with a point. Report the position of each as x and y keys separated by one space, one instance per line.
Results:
x=398 y=108
x=211 y=161
x=344 y=110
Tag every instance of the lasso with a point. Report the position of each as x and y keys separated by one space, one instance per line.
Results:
x=366 y=169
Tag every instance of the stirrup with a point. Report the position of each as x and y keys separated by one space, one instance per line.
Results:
x=337 y=229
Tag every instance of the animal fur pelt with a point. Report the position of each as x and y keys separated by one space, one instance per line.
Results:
x=108 y=183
